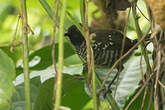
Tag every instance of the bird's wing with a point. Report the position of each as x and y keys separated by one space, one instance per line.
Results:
x=111 y=38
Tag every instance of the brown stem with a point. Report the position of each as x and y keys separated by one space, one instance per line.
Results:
x=15 y=34
x=53 y=40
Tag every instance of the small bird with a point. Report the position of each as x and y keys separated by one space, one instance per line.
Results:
x=106 y=47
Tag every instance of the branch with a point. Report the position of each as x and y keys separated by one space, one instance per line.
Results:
x=53 y=40
x=138 y=93
x=14 y=37
x=60 y=58
x=140 y=34
x=90 y=58
x=25 y=53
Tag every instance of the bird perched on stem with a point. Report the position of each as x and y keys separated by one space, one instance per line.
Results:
x=106 y=45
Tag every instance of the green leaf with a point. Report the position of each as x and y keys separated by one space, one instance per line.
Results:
x=44 y=58
x=73 y=5
x=74 y=95
x=47 y=8
x=15 y=56
x=128 y=80
x=7 y=75
x=18 y=99
x=136 y=105
x=73 y=60
x=44 y=100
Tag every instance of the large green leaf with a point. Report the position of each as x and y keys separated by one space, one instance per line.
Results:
x=128 y=80
x=7 y=75
x=73 y=95
x=18 y=99
x=131 y=77
x=137 y=103
x=16 y=55
x=44 y=100
x=44 y=58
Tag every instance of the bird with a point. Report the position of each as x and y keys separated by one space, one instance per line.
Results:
x=107 y=45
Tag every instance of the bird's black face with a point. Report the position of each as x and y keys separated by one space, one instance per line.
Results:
x=75 y=35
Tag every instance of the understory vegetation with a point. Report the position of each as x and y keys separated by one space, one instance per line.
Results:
x=40 y=69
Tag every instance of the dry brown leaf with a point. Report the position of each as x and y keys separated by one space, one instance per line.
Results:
x=117 y=4
x=158 y=10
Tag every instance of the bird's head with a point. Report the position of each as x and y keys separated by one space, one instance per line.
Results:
x=75 y=35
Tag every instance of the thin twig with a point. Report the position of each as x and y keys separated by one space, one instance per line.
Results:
x=112 y=102
x=54 y=34
x=142 y=13
x=144 y=97
x=56 y=4
x=150 y=16
x=96 y=103
x=9 y=44
x=25 y=54
x=141 y=69
x=90 y=58
x=140 y=34
x=151 y=97
x=122 y=50
x=161 y=84
x=158 y=57
x=30 y=29
x=121 y=58
x=86 y=32
x=14 y=37
x=139 y=92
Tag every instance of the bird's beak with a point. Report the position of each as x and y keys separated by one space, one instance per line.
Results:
x=66 y=34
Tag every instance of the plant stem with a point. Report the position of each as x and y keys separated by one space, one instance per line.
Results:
x=25 y=54
x=47 y=8
x=55 y=19
x=54 y=34
x=26 y=73
x=90 y=58
x=94 y=94
x=109 y=97
x=60 y=58
x=140 y=34
x=86 y=33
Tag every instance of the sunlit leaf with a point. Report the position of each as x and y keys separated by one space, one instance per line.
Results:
x=18 y=99
x=73 y=95
x=7 y=75
x=136 y=105
x=44 y=59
